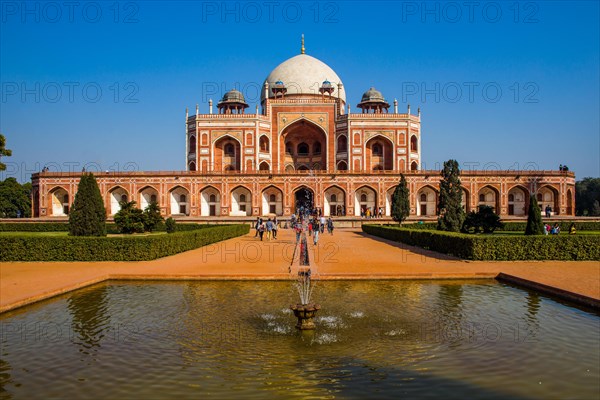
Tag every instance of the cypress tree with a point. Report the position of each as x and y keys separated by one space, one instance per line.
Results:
x=535 y=225
x=87 y=216
x=452 y=214
x=400 y=201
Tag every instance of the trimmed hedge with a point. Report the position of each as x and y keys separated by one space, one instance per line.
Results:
x=124 y=248
x=519 y=226
x=111 y=228
x=500 y=248
x=564 y=225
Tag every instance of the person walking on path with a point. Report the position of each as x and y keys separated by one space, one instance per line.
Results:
x=269 y=229
x=330 y=226
x=275 y=227
x=322 y=224
x=298 y=230
x=316 y=230
x=257 y=225
x=261 y=230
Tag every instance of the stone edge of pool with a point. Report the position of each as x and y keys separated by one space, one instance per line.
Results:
x=503 y=277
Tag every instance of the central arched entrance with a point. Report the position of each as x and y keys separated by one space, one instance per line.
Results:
x=304 y=146
x=304 y=200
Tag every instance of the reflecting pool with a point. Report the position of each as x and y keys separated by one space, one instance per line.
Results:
x=384 y=339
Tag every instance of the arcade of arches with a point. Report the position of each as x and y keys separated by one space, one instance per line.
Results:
x=333 y=200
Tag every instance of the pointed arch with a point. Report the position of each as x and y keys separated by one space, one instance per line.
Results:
x=466 y=199
x=192 y=144
x=116 y=195
x=304 y=198
x=379 y=153
x=147 y=195
x=210 y=201
x=179 y=200
x=489 y=195
x=272 y=200
x=389 y=193
x=227 y=153
x=518 y=200
x=342 y=144
x=241 y=201
x=303 y=142
x=59 y=200
x=365 y=201
x=570 y=201
x=548 y=196
x=334 y=201
x=414 y=144
x=264 y=144
x=264 y=166
x=342 y=165
x=427 y=200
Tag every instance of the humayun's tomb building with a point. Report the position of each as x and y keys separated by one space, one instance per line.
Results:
x=305 y=147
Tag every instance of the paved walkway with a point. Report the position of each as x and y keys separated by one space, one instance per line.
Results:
x=348 y=254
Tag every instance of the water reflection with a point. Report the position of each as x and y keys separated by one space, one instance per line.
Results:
x=373 y=339
x=90 y=321
x=6 y=379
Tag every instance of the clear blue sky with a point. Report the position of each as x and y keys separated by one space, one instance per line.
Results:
x=152 y=59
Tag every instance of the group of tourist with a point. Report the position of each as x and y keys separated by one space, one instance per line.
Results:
x=313 y=224
x=269 y=226
x=371 y=212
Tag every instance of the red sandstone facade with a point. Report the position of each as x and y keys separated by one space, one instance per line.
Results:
x=304 y=146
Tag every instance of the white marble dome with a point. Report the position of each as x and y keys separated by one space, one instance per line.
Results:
x=303 y=74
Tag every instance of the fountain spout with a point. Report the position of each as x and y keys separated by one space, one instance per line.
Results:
x=304 y=311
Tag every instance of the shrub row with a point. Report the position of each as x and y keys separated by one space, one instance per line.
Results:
x=564 y=225
x=124 y=248
x=519 y=226
x=111 y=228
x=489 y=247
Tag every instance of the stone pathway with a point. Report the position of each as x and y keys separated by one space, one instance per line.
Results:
x=348 y=254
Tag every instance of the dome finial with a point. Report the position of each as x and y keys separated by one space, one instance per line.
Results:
x=302 y=50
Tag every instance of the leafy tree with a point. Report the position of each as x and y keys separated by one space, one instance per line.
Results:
x=535 y=226
x=595 y=208
x=485 y=220
x=88 y=215
x=400 y=201
x=170 y=225
x=452 y=214
x=129 y=219
x=4 y=152
x=15 y=199
x=151 y=217
x=587 y=192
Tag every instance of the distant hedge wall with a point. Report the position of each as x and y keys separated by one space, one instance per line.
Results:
x=518 y=226
x=501 y=248
x=111 y=228
x=122 y=248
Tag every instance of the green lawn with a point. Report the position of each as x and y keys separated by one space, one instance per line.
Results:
x=34 y=234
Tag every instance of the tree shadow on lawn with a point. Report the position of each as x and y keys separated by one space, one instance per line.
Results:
x=413 y=249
